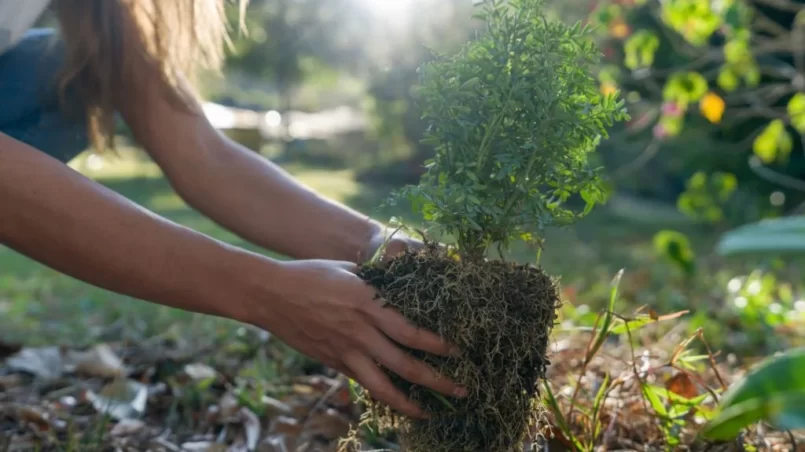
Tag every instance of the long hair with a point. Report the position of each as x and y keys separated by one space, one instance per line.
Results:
x=106 y=38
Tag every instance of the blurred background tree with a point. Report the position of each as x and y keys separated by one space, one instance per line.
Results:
x=716 y=90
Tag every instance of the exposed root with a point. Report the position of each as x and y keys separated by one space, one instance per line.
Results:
x=501 y=315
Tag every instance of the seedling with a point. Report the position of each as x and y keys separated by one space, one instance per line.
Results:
x=513 y=118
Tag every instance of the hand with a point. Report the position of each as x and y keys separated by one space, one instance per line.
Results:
x=325 y=311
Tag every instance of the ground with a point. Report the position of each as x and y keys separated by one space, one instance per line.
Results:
x=166 y=378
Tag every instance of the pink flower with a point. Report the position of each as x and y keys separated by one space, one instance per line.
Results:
x=660 y=132
x=671 y=109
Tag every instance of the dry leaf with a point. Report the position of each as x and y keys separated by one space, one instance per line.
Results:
x=121 y=399
x=329 y=424
x=273 y=443
x=10 y=381
x=200 y=371
x=276 y=407
x=287 y=426
x=33 y=416
x=682 y=385
x=203 y=446
x=127 y=427
x=99 y=361
x=252 y=426
x=45 y=363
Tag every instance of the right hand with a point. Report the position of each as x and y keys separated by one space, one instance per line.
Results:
x=325 y=311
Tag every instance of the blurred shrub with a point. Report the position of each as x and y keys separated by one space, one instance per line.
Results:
x=717 y=93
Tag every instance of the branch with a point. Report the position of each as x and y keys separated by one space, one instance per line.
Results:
x=783 y=5
x=762 y=22
x=642 y=160
x=775 y=177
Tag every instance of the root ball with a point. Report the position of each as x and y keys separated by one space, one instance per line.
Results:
x=500 y=315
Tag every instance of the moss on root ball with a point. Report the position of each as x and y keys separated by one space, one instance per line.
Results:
x=500 y=315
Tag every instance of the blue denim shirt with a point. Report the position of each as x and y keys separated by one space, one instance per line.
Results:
x=30 y=110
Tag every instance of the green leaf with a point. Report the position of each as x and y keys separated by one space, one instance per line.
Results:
x=675 y=246
x=654 y=401
x=728 y=80
x=604 y=331
x=785 y=411
x=783 y=236
x=796 y=110
x=685 y=87
x=773 y=143
x=774 y=391
x=633 y=325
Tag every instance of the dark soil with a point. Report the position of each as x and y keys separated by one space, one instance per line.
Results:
x=500 y=314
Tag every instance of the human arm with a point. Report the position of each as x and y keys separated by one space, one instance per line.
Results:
x=244 y=192
x=58 y=217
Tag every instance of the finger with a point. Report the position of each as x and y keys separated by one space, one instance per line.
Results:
x=380 y=387
x=347 y=266
x=410 y=368
x=397 y=327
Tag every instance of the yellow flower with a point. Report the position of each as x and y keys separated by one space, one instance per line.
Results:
x=620 y=30
x=608 y=88
x=712 y=107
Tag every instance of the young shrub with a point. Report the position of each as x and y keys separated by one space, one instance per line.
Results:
x=513 y=118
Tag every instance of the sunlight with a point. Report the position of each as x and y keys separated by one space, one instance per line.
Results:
x=389 y=10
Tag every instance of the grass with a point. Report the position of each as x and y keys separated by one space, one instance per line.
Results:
x=36 y=298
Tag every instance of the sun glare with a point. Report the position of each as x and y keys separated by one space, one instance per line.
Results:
x=389 y=10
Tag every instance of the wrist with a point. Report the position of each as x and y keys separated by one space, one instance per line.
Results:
x=252 y=286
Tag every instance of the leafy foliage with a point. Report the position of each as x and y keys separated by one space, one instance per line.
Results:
x=513 y=118
x=783 y=236
x=774 y=391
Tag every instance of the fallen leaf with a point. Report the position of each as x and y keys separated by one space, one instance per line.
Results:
x=252 y=426
x=200 y=371
x=273 y=443
x=228 y=407
x=10 y=381
x=329 y=424
x=127 y=427
x=203 y=446
x=33 y=417
x=681 y=384
x=99 y=361
x=121 y=399
x=287 y=426
x=45 y=363
x=276 y=407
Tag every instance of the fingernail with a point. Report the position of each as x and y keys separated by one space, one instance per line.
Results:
x=455 y=351
x=461 y=392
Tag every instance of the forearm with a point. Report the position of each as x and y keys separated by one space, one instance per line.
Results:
x=61 y=219
x=259 y=201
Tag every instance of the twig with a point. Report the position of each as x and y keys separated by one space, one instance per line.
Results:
x=783 y=5
x=775 y=177
x=646 y=156
x=763 y=22
x=339 y=384
x=712 y=360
